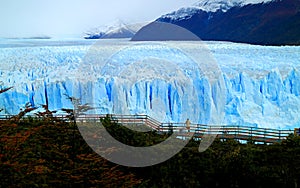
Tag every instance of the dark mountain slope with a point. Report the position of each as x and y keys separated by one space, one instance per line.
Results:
x=273 y=23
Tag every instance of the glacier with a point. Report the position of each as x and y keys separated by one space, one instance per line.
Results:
x=258 y=85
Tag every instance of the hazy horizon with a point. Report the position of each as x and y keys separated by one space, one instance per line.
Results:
x=71 y=18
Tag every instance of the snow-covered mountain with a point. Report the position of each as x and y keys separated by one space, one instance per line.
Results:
x=248 y=21
x=224 y=5
x=209 y=6
x=116 y=30
x=215 y=5
x=262 y=84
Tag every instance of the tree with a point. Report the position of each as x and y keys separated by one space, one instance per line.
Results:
x=2 y=91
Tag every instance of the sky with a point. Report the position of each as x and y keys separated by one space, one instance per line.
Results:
x=58 y=18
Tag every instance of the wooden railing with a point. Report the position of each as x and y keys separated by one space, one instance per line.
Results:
x=265 y=135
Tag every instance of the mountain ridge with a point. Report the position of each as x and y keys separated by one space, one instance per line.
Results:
x=117 y=30
x=271 y=23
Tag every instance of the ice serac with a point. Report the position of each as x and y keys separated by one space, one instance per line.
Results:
x=264 y=94
x=268 y=102
x=157 y=80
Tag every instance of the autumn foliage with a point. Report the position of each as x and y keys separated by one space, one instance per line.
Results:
x=37 y=153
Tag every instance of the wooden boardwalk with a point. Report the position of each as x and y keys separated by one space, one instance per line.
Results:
x=240 y=133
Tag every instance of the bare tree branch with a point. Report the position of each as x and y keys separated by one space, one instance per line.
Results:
x=6 y=89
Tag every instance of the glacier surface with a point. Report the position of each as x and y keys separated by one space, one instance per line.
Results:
x=259 y=85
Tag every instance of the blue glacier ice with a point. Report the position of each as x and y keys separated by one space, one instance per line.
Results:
x=259 y=85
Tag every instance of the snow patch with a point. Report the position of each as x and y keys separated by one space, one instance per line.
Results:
x=209 y=6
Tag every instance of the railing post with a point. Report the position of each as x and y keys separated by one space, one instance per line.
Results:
x=170 y=131
x=146 y=121
x=279 y=132
x=265 y=132
x=223 y=133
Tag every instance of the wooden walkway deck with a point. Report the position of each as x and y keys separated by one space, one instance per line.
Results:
x=241 y=133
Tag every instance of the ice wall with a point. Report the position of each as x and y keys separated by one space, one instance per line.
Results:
x=265 y=98
x=267 y=102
